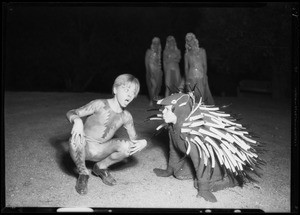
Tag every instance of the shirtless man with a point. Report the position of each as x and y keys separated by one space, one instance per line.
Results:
x=153 y=70
x=171 y=59
x=195 y=67
x=93 y=140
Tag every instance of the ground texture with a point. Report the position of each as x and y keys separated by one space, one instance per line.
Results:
x=40 y=173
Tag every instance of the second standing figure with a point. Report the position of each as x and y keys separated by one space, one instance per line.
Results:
x=171 y=59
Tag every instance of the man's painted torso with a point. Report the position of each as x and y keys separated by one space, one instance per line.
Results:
x=102 y=122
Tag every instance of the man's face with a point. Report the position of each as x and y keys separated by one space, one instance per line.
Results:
x=125 y=93
x=168 y=115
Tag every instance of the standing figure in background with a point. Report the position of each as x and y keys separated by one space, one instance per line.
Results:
x=195 y=67
x=171 y=59
x=154 y=73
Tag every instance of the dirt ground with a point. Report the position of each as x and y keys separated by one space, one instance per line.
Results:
x=40 y=173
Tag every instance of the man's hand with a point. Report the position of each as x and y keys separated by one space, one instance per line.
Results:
x=77 y=131
x=137 y=145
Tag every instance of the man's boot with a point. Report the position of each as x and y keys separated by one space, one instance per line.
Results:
x=105 y=175
x=81 y=184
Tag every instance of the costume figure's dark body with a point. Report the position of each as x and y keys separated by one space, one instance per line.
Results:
x=192 y=166
x=207 y=144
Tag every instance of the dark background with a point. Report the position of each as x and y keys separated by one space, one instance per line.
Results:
x=83 y=47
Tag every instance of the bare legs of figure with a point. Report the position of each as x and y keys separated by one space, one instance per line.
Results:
x=105 y=154
x=77 y=152
x=172 y=81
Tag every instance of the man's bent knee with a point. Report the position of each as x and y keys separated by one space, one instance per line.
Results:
x=124 y=147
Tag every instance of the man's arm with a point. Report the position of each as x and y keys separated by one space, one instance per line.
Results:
x=138 y=145
x=74 y=117
x=129 y=126
x=85 y=110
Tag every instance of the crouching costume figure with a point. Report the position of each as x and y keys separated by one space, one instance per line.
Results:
x=222 y=151
x=93 y=140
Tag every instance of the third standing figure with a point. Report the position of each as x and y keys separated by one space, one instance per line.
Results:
x=196 y=70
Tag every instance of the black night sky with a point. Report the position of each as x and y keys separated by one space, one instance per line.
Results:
x=83 y=47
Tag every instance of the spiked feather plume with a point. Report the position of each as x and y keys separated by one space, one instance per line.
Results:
x=216 y=135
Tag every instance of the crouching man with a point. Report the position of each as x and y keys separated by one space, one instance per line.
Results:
x=93 y=140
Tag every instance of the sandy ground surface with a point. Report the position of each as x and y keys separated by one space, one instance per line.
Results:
x=40 y=173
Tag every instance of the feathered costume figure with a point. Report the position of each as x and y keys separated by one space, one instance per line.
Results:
x=223 y=152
